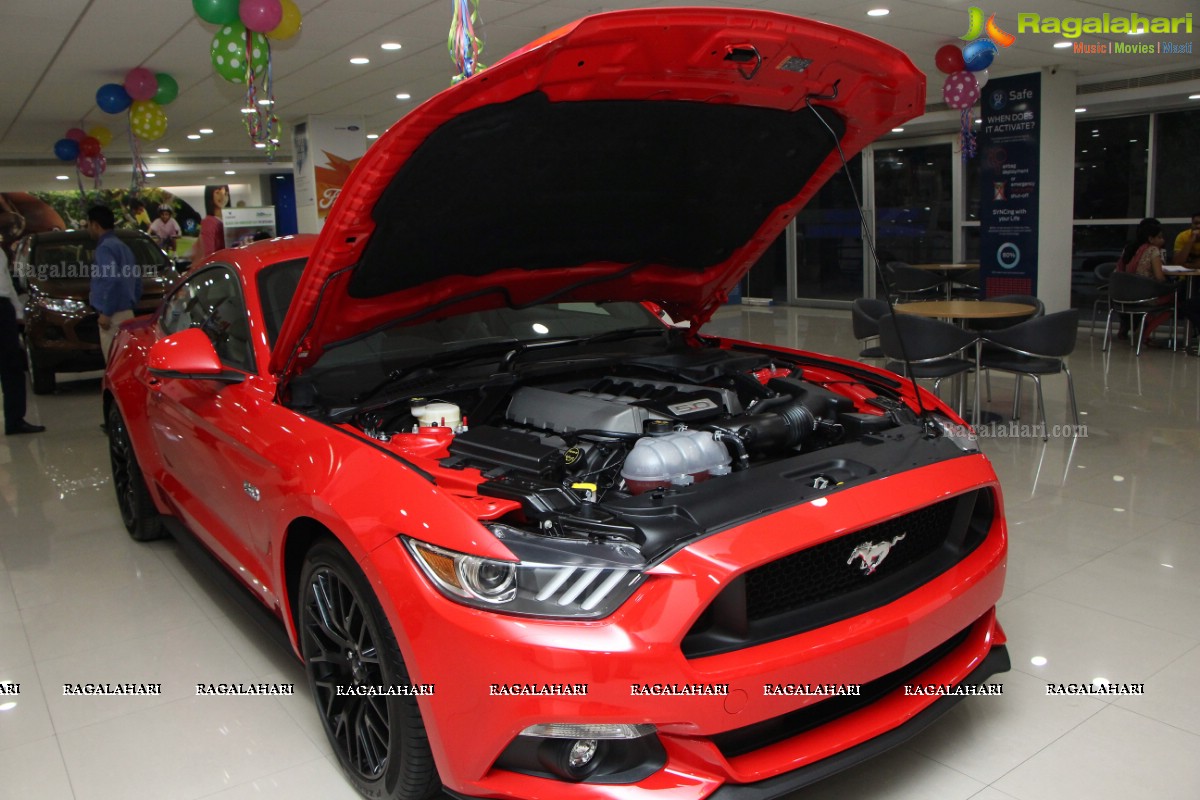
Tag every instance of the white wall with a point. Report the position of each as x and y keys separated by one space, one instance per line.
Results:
x=1056 y=199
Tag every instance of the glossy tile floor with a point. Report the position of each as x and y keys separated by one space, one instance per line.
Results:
x=1104 y=581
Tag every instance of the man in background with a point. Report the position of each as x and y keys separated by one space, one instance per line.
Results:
x=1187 y=245
x=116 y=282
x=12 y=355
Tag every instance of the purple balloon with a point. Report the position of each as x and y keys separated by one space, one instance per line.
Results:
x=260 y=16
x=141 y=84
x=112 y=98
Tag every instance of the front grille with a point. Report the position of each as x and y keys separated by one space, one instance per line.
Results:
x=762 y=734
x=88 y=330
x=830 y=581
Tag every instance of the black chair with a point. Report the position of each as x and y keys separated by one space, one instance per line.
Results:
x=933 y=349
x=909 y=283
x=1136 y=295
x=966 y=283
x=1104 y=274
x=864 y=315
x=999 y=323
x=1035 y=348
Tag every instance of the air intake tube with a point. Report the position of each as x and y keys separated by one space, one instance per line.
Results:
x=768 y=432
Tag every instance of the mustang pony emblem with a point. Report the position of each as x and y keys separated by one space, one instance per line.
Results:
x=873 y=553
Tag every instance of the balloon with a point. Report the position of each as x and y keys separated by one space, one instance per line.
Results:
x=218 y=12
x=75 y=134
x=101 y=134
x=91 y=167
x=981 y=77
x=949 y=59
x=961 y=90
x=289 y=25
x=112 y=98
x=140 y=83
x=979 y=54
x=260 y=16
x=147 y=120
x=89 y=147
x=66 y=149
x=229 y=52
x=168 y=89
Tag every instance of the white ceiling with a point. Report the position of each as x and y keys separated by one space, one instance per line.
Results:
x=58 y=52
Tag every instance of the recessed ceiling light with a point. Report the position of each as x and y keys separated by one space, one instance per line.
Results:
x=150 y=174
x=260 y=145
x=231 y=172
x=193 y=136
x=372 y=135
x=978 y=121
x=266 y=101
x=248 y=111
x=404 y=96
x=1194 y=97
x=206 y=130
x=878 y=12
x=1138 y=32
x=897 y=130
x=360 y=60
x=62 y=178
x=164 y=149
x=390 y=46
x=1080 y=110
x=1061 y=45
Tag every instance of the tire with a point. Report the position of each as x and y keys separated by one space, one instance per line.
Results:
x=380 y=741
x=133 y=498
x=42 y=378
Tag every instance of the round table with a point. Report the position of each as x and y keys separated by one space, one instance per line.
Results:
x=965 y=309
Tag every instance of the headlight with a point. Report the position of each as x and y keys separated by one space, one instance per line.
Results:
x=64 y=305
x=961 y=435
x=586 y=586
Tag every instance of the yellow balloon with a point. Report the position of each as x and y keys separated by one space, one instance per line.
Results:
x=147 y=120
x=289 y=24
x=101 y=134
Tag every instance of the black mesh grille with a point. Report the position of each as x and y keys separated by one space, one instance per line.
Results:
x=842 y=577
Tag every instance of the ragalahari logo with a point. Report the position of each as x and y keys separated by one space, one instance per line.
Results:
x=976 y=27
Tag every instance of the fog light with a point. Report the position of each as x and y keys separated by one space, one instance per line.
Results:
x=581 y=753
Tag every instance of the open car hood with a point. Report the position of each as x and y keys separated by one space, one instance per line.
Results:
x=635 y=155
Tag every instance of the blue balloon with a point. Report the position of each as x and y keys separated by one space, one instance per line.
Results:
x=112 y=98
x=66 y=149
x=979 y=54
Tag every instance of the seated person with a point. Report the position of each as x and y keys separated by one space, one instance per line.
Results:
x=1147 y=261
x=1187 y=245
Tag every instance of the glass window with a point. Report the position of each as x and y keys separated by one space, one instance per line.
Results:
x=829 y=253
x=1111 y=158
x=211 y=300
x=1177 y=162
x=914 y=204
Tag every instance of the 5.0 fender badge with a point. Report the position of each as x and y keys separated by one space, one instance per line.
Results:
x=873 y=554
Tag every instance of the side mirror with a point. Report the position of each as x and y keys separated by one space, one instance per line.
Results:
x=190 y=354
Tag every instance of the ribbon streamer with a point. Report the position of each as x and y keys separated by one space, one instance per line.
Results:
x=966 y=136
x=465 y=42
x=138 y=178
x=262 y=126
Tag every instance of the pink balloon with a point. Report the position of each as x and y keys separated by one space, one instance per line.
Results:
x=260 y=16
x=75 y=134
x=141 y=84
x=90 y=167
x=961 y=90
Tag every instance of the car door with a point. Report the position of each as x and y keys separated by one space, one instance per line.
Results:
x=208 y=432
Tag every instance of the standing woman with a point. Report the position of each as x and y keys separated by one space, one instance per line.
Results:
x=12 y=355
x=212 y=229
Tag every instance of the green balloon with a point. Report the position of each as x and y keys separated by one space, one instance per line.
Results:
x=168 y=89
x=229 y=52
x=218 y=12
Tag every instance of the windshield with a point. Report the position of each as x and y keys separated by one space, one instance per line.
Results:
x=65 y=262
x=359 y=365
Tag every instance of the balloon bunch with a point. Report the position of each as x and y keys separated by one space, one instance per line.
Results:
x=466 y=39
x=86 y=149
x=143 y=94
x=966 y=69
x=241 y=53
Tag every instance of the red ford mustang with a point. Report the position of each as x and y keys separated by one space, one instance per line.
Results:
x=529 y=540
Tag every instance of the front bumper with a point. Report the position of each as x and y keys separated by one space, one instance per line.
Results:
x=710 y=741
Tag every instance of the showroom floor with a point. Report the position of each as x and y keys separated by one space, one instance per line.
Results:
x=1104 y=530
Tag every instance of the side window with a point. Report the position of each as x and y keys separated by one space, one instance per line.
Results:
x=212 y=301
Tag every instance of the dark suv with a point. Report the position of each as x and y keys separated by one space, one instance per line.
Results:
x=62 y=333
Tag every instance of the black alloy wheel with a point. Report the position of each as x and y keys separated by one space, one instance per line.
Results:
x=133 y=498
x=348 y=645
